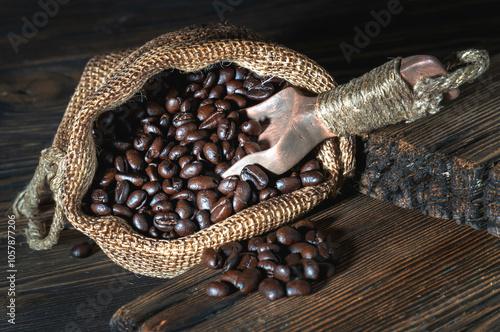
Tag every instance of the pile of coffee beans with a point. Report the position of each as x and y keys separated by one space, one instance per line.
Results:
x=282 y=263
x=161 y=155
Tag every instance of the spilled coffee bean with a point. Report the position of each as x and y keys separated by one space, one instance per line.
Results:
x=281 y=263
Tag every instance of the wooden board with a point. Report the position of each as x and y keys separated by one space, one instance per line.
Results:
x=443 y=165
x=399 y=271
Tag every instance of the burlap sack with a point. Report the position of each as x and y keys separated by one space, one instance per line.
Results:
x=69 y=165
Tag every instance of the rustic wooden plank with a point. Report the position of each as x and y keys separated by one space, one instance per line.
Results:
x=440 y=164
x=399 y=271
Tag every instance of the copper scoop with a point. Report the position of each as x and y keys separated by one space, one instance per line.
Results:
x=294 y=129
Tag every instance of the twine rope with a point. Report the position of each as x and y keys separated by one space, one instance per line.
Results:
x=381 y=97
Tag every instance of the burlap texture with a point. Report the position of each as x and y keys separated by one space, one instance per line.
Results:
x=109 y=81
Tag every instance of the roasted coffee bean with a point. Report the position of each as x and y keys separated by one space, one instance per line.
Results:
x=251 y=147
x=288 y=184
x=185 y=227
x=298 y=288
x=239 y=154
x=222 y=209
x=184 y=210
x=247 y=260
x=268 y=193
x=272 y=289
x=122 y=210
x=258 y=94
x=323 y=251
x=171 y=186
x=158 y=198
x=166 y=150
x=211 y=259
x=282 y=272
x=108 y=178
x=100 y=209
x=311 y=178
x=230 y=248
x=185 y=160
x=164 y=120
x=151 y=187
x=182 y=118
x=221 y=168
x=168 y=169
x=217 y=289
x=226 y=74
x=217 y=92
x=251 y=127
x=226 y=130
x=231 y=86
x=143 y=142
x=228 y=185
x=177 y=152
x=242 y=194
x=202 y=217
x=309 y=251
x=99 y=196
x=267 y=265
x=231 y=262
x=165 y=221
x=120 y=164
x=182 y=131
x=314 y=237
x=154 y=232
x=204 y=112
x=210 y=80
x=192 y=88
x=152 y=129
x=297 y=247
x=134 y=160
x=140 y=222
x=81 y=250
x=188 y=195
x=271 y=238
x=137 y=199
x=255 y=242
x=304 y=225
x=191 y=170
x=206 y=199
x=213 y=120
x=267 y=255
x=256 y=175
x=326 y=270
x=238 y=100
x=202 y=182
x=248 y=281
x=162 y=206
x=122 y=192
x=287 y=235
x=230 y=276
x=212 y=153
x=310 y=268
x=173 y=104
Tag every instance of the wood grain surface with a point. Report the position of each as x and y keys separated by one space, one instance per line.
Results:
x=443 y=164
x=400 y=271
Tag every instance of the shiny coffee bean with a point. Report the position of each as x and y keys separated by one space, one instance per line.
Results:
x=247 y=260
x=202 y=182
x=255 y=242
x=248 y=281
x=230 y=248
x=165 y=221
x=212 y=153
x=172 y=186
x=268 y=193
x=228 y=185
x=230 y=276
x=122 y=192
x=206 y=199
x=298 y=288
x=162 y=206
x=168 y=169
x=282 y=272
x=256 y=175
x=81 y=250
x=202 y=217
x=272 y=289
x=134 y=160
x=222 y=209
x=137 y=199
x=311 y=178
x=287 y=235
x=140 y=222
x=310 y=268
x=242 y=194
x=122 y=211
x=217 y=289
x=251 y=127
x=187 y=195
x=288 y=184
x=211 y=259
x=293 y=259
x=231 y=262
x=100 y=209
x=120 y=164
x=184 y=210
x=185 y=227
x=108 y=178
x=99 y=196
x=143 y=142
x=151 y=187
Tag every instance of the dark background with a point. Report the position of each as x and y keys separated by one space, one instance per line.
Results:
x=37 y=82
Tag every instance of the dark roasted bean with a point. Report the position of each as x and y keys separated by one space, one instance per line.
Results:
x=231 y=262
x=267 y=266
x=311 y=178
x=242 y=194
x=251 y=147
x=122 y=210
x=151 y=187
x=108 y=178
x=184 y=210
x=187 y=195
x=134 y=159
x=182 y=131
x=143 y=142
x=212 y=153
x=271 y=238
x=310 y=268
x=309 y=251
x=282 y=272
x=210 y=80
x=226 y=130
x=162 y=206
x=206 y=199
x=152 y=129
x=191 y=170
x=272 y=289
x=221 y=168
x=293 y=259
x=164 y=120
x=187 y=105
x=81 y=250
x=184 y=160
x=154 y=232
x=255 y=242
x=304 y=225
x=217 y=92
x=217 y=289
x=137 y=199
x=202 y=182
x=248 y=260
x=122 y=191
x=251 y=127
x=256 y=175
x=120 y=164
x=269 y=246
x=314 y=237
x=173 y=104
x=298 y=288
x=288 y=184
x=326 y=270
x=135 y=179
x=238 y=100
x=228 y=185
x=205 y=111
x=212 y=121
x=267 y=255
x=168 y=169
x=248 y=281
x=165 y=221
x=226 y=74
x=140 y=222
x=230 y=276
x=267 y=193
x=100 y=209
x=158 y=198
x=166 y=150
x=172 y=186
x=177 y=152
x=185 y=227
x=99 y=196
x=296 y=248
x=182 y=118
x=211 y=259
x=229 y=248
x=231 y=86
x=153 y=109
x=287 y=235
x=202 y=217
x=222 y=209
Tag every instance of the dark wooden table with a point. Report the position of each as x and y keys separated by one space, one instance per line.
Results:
x=400 y=270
